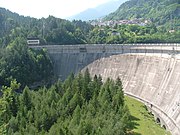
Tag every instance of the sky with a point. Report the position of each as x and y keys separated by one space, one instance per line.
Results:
x=44 y=8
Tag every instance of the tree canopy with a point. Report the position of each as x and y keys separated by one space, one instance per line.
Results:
x=79 y=105
x=54 y=30
x=25 y=65
x=160 y=12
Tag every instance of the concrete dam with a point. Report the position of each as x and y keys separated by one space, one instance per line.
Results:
x=150 y=73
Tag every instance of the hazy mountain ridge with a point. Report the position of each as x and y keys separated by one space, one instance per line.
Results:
x=159 y=11
x=99 y=11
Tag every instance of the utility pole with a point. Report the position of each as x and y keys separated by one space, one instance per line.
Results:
x=43 y=27
x=4 y=40
x=170 y=22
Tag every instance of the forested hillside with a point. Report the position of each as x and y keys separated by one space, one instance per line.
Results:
x=78 y=106
x=160 y=12
x=50 y=30
x=25 y=65
x=120 y=34
x=53 y=30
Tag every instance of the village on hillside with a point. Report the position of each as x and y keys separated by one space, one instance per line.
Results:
x=112 y=23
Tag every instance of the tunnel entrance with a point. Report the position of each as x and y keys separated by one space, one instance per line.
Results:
x=158 y=120
x=164 y=126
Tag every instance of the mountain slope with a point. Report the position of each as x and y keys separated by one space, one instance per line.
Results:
x=49 y=30
x=99 y=11
x=158 y=11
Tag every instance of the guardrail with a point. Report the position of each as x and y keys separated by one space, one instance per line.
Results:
x=113 y=48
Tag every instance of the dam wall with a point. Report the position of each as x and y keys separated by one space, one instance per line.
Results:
x=154 y=80
x=73 y=58
x=150 y=73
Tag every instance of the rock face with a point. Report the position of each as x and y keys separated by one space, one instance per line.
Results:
x=150 y=73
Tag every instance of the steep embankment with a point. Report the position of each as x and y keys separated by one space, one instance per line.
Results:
x=152 y=79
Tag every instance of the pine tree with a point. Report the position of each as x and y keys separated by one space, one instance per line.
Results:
x=26 y=98
x=87 y=76
x=76 y=117
x=13 y=124
x=76 y=100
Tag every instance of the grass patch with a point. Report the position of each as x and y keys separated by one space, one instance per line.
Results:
x=143 y=122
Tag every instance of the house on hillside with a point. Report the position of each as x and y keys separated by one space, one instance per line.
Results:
x=33 y=41
x=115 y=33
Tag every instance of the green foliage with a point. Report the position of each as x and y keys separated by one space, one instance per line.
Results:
x=159 y=12
x=23 y=64
x=53 y=30
x=8 y=106
x=142 y=120
x=133 y=34
x=50 y=30
x=85 y=107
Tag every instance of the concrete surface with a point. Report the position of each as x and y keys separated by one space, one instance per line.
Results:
x=150 y=73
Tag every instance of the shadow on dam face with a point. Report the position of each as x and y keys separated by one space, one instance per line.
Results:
x=65 y=64
x=150 y=73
